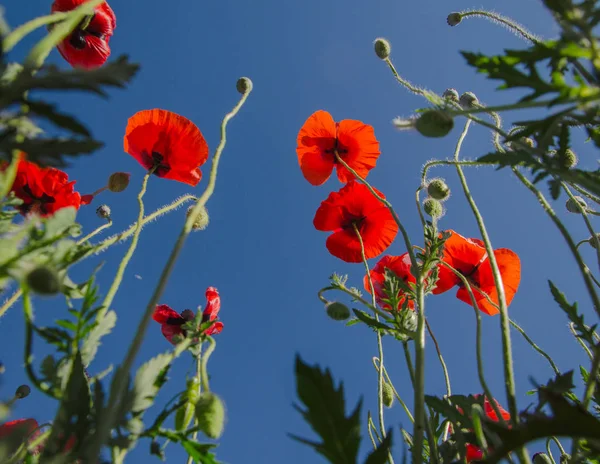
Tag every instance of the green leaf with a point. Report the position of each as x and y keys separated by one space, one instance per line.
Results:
x=584 y=332
x=370 y=321
x=92 y=342
x=447 y=407
x=51 y=152
x=325 y=412
x=148 y=380
x=199 y=452
x=380 y=455
x=64 y=121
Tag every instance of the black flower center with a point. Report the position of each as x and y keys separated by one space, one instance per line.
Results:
x=161 y=169
x=36 y=204
x=85 y=28
x=337 y=146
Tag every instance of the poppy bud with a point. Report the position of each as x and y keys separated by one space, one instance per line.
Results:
x=454 y=19
x=43 y=281
x=568 y=159
x=155 y=449
x=118 y=181
x=468 y=100
x=434 y=123
x=210 y=413
x=438 y=189
x=202 y=218
x=451 y=94
x=387 y=395
x=103 y=212
x=433 y=207
x=576 y=205
x=382 y=48
x=244 y=85
x=541 y=458
x=337 y=311
x=22 y=392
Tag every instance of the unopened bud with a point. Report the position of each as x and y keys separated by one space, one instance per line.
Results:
x=438 y=189
x=210 y=413
x=387 y=395
x=468 y=100
x=22 y=392
x=541 y=458
x=43 y=281
x=568 y=159
x=118 y=181
x=434 y=123
x=337 y=311
x=592 y=241
x=576 y=205
x=382 y=48
x=202 y=218
x=244 y=85
x=451 y=94
x=103 y=212
x=156 y=450
x=433 y=207
x=454 y=19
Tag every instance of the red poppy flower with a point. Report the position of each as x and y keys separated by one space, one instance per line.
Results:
x=399 y=265
x=17 y=431
x=169 y=142
x=474 y=452
x=44 y=190
x=353 y=206
x=171 y=321
x=320 y=136
x=87 y=46
x=468 y=256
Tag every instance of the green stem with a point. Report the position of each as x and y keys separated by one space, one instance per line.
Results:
x=200 y=375
x=503 y=20
x=585 y=193
x=580 y=341
x=25 y=29
x=536 y=347
x=396 y=394
x=444 y=368
x=372 y=428
x=9 y=174
x=112 y=291
x=95 y=232
x=402 y=81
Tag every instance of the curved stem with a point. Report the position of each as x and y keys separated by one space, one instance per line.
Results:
x=444 y=369
x=510 y=24
x=580 y=341
x=95 y=232
x=535 y=346
x=402 y=81
x=585 y=193
x=396 y=394
x=20 y=32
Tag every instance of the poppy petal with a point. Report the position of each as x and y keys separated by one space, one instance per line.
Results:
x=169 y=331
x=361 y=146
x=162 y=313
x=213 y=305
x=215 y=329
x=399 y=265
x=315 y=144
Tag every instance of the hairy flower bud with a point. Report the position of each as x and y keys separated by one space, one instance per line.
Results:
x=337 y=311
x=434 y=123
x=438 y=189
x=43 y=281
x=468 y=100
x=541 y=458
x=202 y=219
x=118 y=181
x=454 y=19
x=568 y=159
x=592 y=241
x=382 y=48
x=210 y=413
x=243 y=85
x=387 y=395
x=575 y=205
x=433 y=207
x=22 y=392
x=451 y=94
x=103 y=212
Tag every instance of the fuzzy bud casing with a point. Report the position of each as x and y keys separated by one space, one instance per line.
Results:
x=337 y=311
x=451 y=94
x=43 y=281
x=387 y=395
x=210 y=413
x=202 y=219
x=468 y=100
x=575 y=205
x=382 y=48
x=454 y=19
x=118 y=181
x=244 y=85
x=438 y=189
x=103 y=212
x=434 y=123
x=433 y=207
x=22 y=392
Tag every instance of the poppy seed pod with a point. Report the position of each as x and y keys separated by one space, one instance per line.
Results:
x=22 y=392
x=202 y=219
x=387 y=395
x=454 y=19
x=468 y=100
x=541 y=458
x=451 y=94
x=433 y=207
x=43 y=281
x=575 y=205
x=434 y=123
x=337 y=311
x=438 y=189
x=103 y=212
x=243 y=85
x=382 y=48
x=118 y=181
x=210 y=413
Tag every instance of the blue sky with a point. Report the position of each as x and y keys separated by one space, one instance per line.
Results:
x=261 y=250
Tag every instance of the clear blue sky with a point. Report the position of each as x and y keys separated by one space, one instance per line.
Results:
x=261 y=250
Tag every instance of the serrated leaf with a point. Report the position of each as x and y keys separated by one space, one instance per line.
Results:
x=325 y=412
x=380 y=455
x=50 y=113
x=370 y=321
x=199 y=452
x=147 y=382
x=51 y=152
x=92 y=342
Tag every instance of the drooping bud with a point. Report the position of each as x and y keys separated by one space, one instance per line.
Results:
x=433 y=207
x=43 y=281
x=387 y=395
x=337 y=311
x=103 y=212
x=468 y=100
x=454 y=19
x=210 y=413
x=438 y=189
x=118 y=181
x=575 y=205
x=434 y=123
x=592 y=242
x=541 y=458
x=22 y=392
x=244 y=85
x=202 y=219
x=155 y=449
x=451 y=94
x=382 y=48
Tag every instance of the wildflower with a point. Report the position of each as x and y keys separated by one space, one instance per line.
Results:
x=399 y=265
x=474 y=453
x=44 y=190
x=321 y=137
x=88 y=45
x=171 y=321
x=15 y=432
x=468 y=256
x=354 y=206
x=167 y=142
